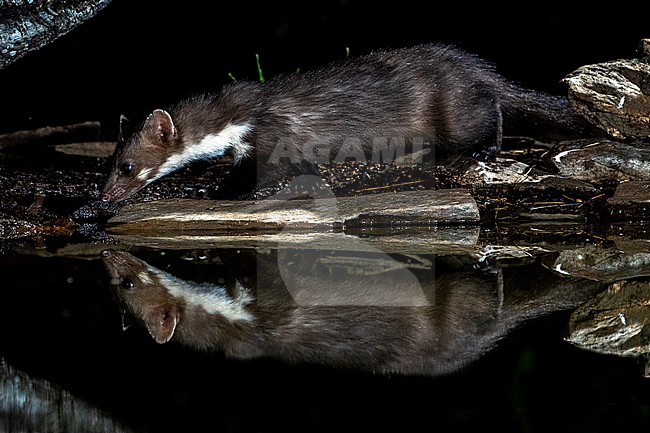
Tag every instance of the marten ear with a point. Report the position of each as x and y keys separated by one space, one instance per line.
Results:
x=128 y=319
x=161 y=322
x=161 y=124
x=124 y=129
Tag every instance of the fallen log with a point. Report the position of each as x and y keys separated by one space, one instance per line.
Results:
x=83 y=131
x=437 y=207
x=321 y=223
x=96 y=149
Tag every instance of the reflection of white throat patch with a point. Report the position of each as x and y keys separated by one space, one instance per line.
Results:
x=210 y=146
x=212 y=298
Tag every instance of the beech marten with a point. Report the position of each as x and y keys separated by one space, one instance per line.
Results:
x=428 y=95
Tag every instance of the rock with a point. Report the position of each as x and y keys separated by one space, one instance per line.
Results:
x=630 y=200
x=614 y=96
x=597 y=263
x=602 y=161
x=644 y=47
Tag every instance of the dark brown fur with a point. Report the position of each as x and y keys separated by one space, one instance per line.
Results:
x=434 y=93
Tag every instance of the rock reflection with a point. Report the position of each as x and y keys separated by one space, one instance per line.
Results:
x=416 y=315
x=615 y=322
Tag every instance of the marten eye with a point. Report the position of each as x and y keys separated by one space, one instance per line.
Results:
x=126 y=168
x=127 y=283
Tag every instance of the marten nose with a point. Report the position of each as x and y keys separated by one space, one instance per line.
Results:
x=105 y=254
x=105 y=198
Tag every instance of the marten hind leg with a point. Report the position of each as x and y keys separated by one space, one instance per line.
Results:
x=489 y=148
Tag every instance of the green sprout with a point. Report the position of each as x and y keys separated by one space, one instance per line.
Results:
x=259 y=68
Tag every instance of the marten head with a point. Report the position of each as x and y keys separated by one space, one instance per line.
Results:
x=140 y=158
x=158 y=147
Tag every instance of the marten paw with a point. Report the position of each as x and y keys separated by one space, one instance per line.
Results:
x=486 y=154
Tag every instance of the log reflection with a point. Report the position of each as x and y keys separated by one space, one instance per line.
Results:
x=30 y=404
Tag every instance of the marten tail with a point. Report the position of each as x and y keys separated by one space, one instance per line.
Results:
x=542 y=116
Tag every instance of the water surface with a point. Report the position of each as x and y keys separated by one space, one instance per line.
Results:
x=288 y=339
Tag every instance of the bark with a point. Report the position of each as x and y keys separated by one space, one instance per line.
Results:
x=29 y=25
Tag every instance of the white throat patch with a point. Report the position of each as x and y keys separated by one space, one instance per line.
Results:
x=210 y=146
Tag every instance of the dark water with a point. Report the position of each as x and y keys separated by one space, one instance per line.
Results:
x=333 y=339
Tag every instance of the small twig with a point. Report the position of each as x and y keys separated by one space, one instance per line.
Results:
x=389 y=186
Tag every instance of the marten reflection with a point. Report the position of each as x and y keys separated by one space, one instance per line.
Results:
x=414 y=316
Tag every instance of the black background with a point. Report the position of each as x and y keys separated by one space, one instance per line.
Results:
x=135 y=56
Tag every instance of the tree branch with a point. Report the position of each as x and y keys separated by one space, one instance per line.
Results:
x=27 y=26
